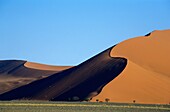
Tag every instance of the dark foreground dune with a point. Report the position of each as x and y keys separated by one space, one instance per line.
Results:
x=81 y=82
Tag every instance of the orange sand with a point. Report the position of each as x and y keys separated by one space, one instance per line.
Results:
x=45 y=67
x=146 y=79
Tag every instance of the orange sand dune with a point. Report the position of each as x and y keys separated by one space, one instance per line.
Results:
x=146 y=79
x=137 y=70
x=81 y=81
x=45 y=67
x=151 y=52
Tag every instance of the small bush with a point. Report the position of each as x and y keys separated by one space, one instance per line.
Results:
x=75 y=98
x=87 y=99
x=107 y=99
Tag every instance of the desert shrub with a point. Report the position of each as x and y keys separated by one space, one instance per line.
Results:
x=107 y=99
x=87 y=99
x=69 y=99
x=75 y=98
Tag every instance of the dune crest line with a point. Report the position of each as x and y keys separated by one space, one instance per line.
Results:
x=78 y=83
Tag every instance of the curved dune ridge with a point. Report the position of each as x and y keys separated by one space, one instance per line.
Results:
x=45 y=67
x=135 y=70
x=78 y=83
x=146 y=79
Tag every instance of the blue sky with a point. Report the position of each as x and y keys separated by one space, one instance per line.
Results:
x=67 y=32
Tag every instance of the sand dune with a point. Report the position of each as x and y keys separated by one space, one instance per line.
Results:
x=151 y=52
x=83 y=81
x=15 y=73
x=139 y=84
x=146 y=78
x=45 y=67
x=137 y=69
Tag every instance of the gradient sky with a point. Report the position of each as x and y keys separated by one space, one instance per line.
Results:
x=67 y=32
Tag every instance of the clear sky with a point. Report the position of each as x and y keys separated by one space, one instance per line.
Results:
x=67 y=32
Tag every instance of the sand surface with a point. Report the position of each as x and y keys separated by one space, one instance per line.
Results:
x=146 y=79
x=142 y=72
x=80 y=81
x=16 y=73
x=45 y=67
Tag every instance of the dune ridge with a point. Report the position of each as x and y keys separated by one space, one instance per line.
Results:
x=146 y=77
x=14 y=73
x=135 y=70
x=83 y=81
x=39 y=66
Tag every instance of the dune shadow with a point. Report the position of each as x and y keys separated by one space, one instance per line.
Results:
x=74 y=84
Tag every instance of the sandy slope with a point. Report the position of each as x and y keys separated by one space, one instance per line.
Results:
x=45 y=67
x=151 y=52
x=83 y=81
x=137 y=83
x=146 y=78
x=15 y=73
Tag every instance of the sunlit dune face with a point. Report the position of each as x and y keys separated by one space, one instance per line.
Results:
x=146 y=78
x=151 y=51
x=45 y=67
x=139 y=71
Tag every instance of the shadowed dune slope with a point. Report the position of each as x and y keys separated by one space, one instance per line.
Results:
x=146 y=79
x=77 y=83
x=15 y=73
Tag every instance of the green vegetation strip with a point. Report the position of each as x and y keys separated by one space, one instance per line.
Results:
x=84 y=105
